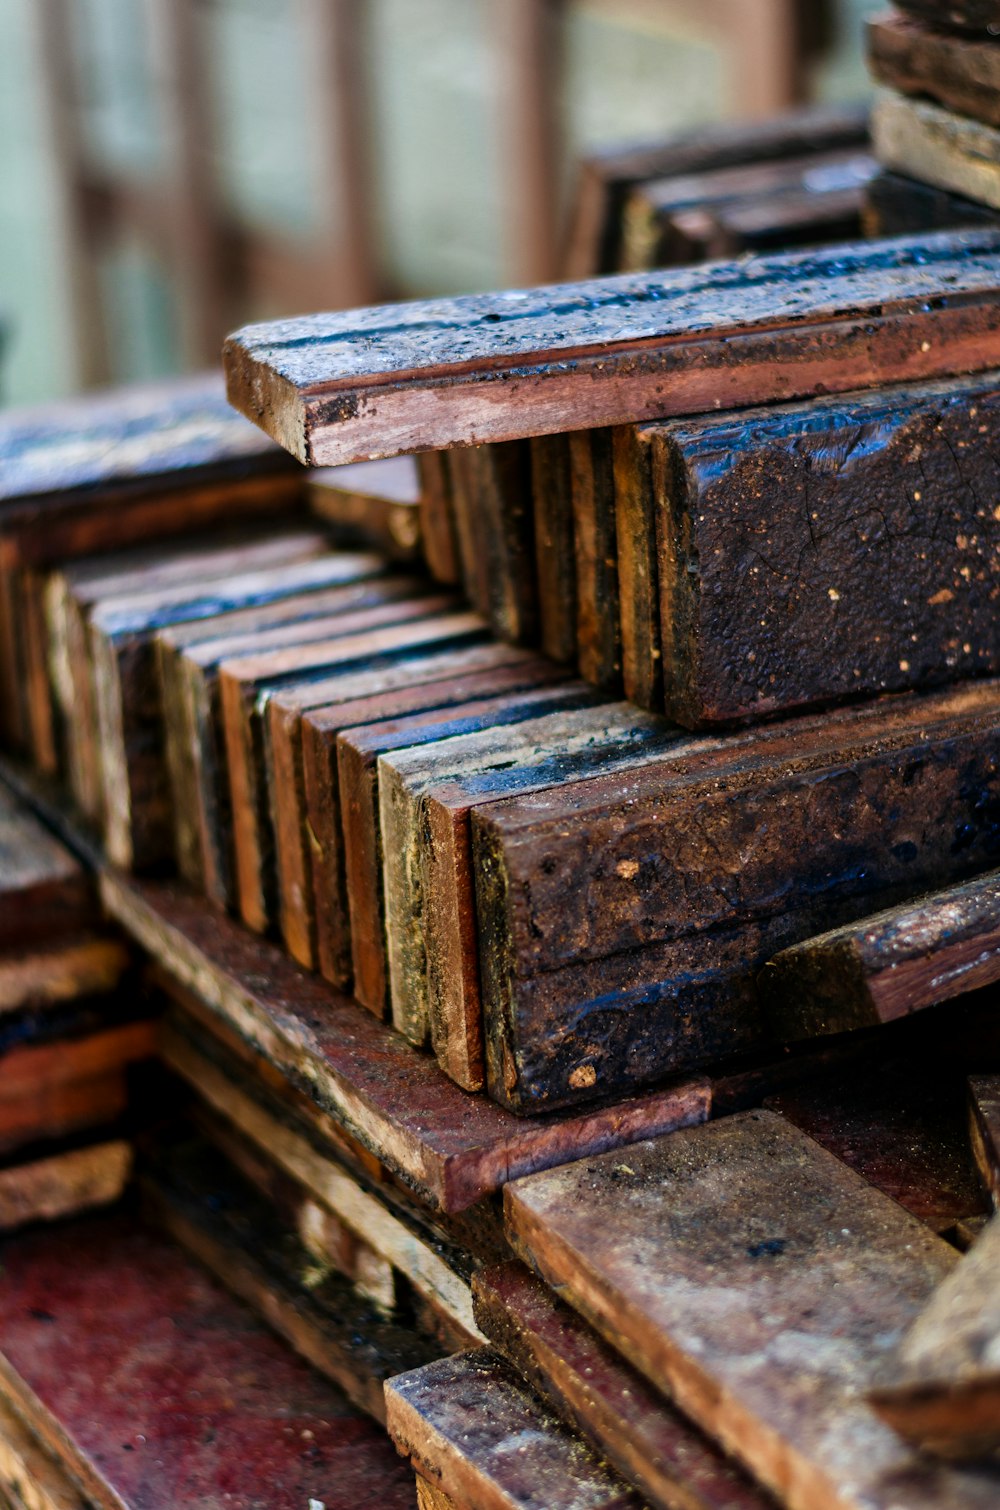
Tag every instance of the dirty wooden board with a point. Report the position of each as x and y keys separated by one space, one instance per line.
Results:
x=492 y=500
x=918 y=59
x=63 y=1184
x=638 y=579
x=668 y=885
x=590 y=1386
x=373 y=504
x=606 y=178
x=555 y=564
x=449 y=1147
x=796 y=565
x=760 y=1284
x=984 y=1119
x=340 y=387
x=60 y=970
x=44 y=890
x=883 y=967
x=926 y=141
x=243 y=1420
x=973 y=15
x=941 y=1389
x=246 y=685
x=471 y=1427
x=592 y=491
x=437 y=517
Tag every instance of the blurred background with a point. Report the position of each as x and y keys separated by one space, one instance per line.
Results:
x=172 y=168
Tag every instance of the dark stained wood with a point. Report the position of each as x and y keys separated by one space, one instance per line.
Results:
x=598 y=624
x=640 y=908
x=341 y=387
x=919 y=59
x=883 y=967
x=373 y=504
x=599 y=1395
x=243 y=1420
x=63 y=1184
x=555 y=559
x=817 y=212
x=472 y=1429
x=941 y=1390
x=44 y=890
x=437 y=517
x=761 y=1284
x=448 y=1147
x=923 y=140
x=638 y=574
x=492 y=498
x=973 y=15
x=984 y=1128
x=899 y=206
x=793 y=549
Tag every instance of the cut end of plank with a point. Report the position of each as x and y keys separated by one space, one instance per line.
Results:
x=272 y=403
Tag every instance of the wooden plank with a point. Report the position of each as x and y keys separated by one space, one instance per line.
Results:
x=914 y=58
x=925 y=141
x=63 y=1184
x=44 y=890
x=900 y=206
x=437 y=517
x=336 y=388
x=886 y=966
x=492 y=497
x=230 y=1428
x=673 y=885
x=984 y=1128
x=31 y=1479
x=552 y=506
x=598 y=624
x=765 y=1318
x=61 y=971
x=638 y=573
x=941 y=1389
x=373 y=504
x=972 y=15
x=816 y=213
x=471 y=1427
x=448 y=1147
x=589 y=1386
x=429 y=1498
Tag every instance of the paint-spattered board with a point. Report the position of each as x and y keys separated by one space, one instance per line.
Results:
x=636 y=910
x=472 y=1428
x=887 y=966
x=924 y=140
x=984 y=1128
x=981 y=16
x=591 y=1387
x=375 y=504
x=44 y=890
x=376 y=382
x=941 y=1389
x=242 y=1421
x=922 y=60
x=448 y=1147
x=811 y=552
x=761 y=1284
x=63 y=1184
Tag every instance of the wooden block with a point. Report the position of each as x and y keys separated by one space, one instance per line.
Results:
x=373 y=504
x=638 y=572
x=970 y=15
x=669 y=885
x=923 y=140
x=883 y=967
x=984 y=1127
x=900 y=206
x=44 y=890
x=555 y=560
x=64 y=1184
x=598 y=623
x=492 y=499
x=620 y=350
x=234 y=1419
x=941 y=1390
x=914 y=58
x=82 y=966
x=472 y=1429
x=587 y=1384
x=450 y=1148
x=851 y=604
x=760 y=1284
x=437 y=517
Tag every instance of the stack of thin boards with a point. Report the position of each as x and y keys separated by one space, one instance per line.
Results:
x=936 y=125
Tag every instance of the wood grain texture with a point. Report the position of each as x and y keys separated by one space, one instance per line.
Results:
x=918 y=59
x=760 y=1284
x=342 y=387
x=639 y=908
x=923 y=140
x=595 y=549
x=373 y=504
x=448 y=1147
x=471 y=1428
x=587 y=1383
x=899 y=961
x=984 y=1130
x=64 y=1184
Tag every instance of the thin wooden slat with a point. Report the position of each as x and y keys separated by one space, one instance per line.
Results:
x=58 y=971
x=638 y=578
x=899 y=206
x=31 y=1479
x=598 y=622
x=760 y=1284
x=984 y=1128
x=914 y=58
x=492 y=498
x=437 y=517
x=337 y=388
x=555 y=564
x=974 y=15
x=924 y=140
x=63 y=1184
x=44 y=890
x=374 y=504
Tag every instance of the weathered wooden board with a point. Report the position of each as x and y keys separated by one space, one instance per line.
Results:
x=60 y=970
x=760 y=1284
x=31 y=1479
x=883 y=967
x=471 y=1428
x=984 y=1128
x=64 y=1184
x=972 y=15
x=449 y=1147
x=635 y=506
x=242 y=1422
x=492 y=500
x=639 y=908
x=926 y=141
x=44 y=890
x=373 y=504
x=941 y=1390
x=794 y=561
x=437 y=517
x=555 y=558
x=814 y=214
x=915 y=58
x=900 y=206
x=342 y=387
x=592 y=493
x=590 y=1386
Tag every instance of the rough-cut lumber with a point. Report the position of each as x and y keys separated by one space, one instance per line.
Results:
x=59 y=971
x=63 y=1184
x=941 y=1390
x=374 y=504
x=984 y=1120
x=925 y=141
x=809 y=552
x=555 y=562
x=914 y=58
x=598 y=1394
x=448 y=1147
x=883 y=967
x=44 y=890
x=900 y=206
x=471 y=1428
x=760 y=1284
x=972 y=15
x=242 y=1422
x=341 y=387
x=623 y=919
